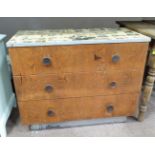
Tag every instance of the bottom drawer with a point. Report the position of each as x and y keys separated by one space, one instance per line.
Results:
x=59 y=110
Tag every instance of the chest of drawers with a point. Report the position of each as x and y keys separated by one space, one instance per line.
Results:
x=64 y=75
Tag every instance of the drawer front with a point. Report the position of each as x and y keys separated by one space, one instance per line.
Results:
x=78 y=58
x=76 y=85
x=58 y=110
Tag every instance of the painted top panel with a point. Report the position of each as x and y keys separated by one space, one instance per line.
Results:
x=144 y=27
x=75 y=36
x=2 y=36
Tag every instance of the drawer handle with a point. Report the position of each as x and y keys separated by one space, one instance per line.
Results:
x=115 y=58
x=113 y=84
x=48 y=88
x=110 y=108
x=46 y=61
x=50 y=113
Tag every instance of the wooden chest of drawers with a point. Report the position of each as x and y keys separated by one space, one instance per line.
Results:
x=64 y=75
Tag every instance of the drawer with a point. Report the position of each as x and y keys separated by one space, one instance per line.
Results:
x=37 y=87
x=78 y=58
x=59 y=110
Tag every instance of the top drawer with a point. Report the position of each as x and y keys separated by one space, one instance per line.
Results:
x=77 y=58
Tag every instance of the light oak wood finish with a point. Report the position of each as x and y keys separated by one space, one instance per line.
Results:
x=77 y=85
x=79 y=58
x=70 y=83
x=58 y=110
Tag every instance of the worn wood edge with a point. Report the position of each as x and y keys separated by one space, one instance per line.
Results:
x=103 y=95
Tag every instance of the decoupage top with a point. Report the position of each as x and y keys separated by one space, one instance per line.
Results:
x=75 y=36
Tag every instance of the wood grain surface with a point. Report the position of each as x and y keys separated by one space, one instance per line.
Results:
x=79 y=58
x=77 y=85
x=83 y=81
x=34 y=112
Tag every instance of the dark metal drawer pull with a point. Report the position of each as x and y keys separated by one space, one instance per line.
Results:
x=110 y=108
x=48 y=88
x=113 y=84
x=50 y=113
x=115 y=58
x=46 y=61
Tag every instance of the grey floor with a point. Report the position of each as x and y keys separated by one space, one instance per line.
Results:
x=130 y=128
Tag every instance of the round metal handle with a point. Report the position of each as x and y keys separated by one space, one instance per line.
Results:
x=50 y=113
x=46 y=61
x=48 y=88
x=110 y=108
x=115 y=58
x=113 y=84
